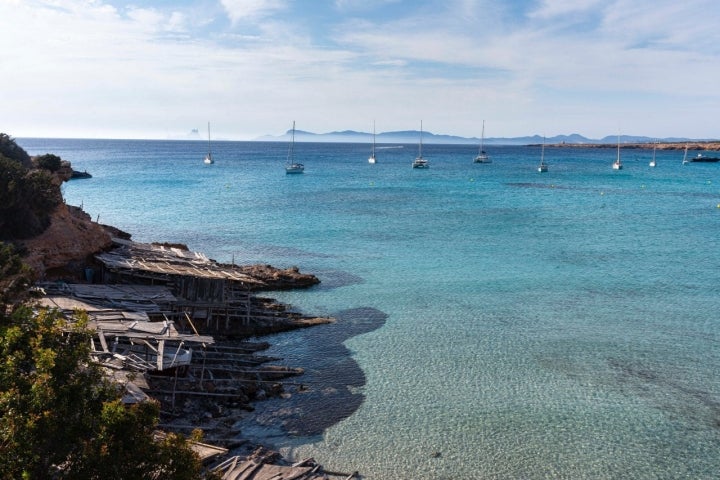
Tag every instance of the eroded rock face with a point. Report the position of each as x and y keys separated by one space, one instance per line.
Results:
x=280 y=279
x=71 y=238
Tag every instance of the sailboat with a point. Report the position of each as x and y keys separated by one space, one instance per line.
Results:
x=482 y=157
x=371 y=159
x=617 y=164
x=420 y=162
x=685 y=160
x=543 y=166
x=208 y=158
x=652 y=162
x=292 y=166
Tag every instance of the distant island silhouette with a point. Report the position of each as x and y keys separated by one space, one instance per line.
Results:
x=412 y=136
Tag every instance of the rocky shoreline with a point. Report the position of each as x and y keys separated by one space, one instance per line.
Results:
x=217 y=397
x=698 y=146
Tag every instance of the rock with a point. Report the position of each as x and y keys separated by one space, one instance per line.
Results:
x=280 y=279
x=71 y=239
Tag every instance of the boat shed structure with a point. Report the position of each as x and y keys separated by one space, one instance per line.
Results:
x=190 y=275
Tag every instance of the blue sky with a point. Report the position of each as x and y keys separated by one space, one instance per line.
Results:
x=157 y=69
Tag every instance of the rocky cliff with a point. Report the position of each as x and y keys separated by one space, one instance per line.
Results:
x=66 y=245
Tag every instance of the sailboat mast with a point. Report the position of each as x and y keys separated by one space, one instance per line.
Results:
x=420 y=145
x=209 y=149
x=373 y=149
x=482 y=138
x=292 y=145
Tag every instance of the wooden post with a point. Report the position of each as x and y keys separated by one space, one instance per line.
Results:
x=174 y=389
x=249 y=306
x=202 y=373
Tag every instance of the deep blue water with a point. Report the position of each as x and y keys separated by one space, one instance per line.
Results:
x=525 y=325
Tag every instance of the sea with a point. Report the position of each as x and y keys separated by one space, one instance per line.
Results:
x=493 y=322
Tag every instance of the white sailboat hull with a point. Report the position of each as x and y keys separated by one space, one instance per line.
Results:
x=295 y=168
x=420 y=163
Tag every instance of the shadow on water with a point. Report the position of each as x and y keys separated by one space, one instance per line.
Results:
x=330 y=389
x=332 y=279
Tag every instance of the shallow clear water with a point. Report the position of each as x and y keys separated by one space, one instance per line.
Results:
x=556 y=325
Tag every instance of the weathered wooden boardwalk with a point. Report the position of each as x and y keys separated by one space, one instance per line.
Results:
x=157 y=311
x=260 y=466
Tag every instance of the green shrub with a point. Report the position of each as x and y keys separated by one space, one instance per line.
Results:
x=15 y=277
x=59 y=417
x=10 y=149
x=27 y=198
x=48 y=162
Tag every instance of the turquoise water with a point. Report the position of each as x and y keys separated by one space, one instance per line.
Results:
x=557 y=325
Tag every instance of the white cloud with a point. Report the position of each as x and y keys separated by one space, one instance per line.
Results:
x=360 y=5
x=556 y=8
x=87 y=67
x=251 y=9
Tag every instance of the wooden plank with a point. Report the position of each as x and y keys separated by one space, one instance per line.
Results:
x=197 y=394
x=103 y=343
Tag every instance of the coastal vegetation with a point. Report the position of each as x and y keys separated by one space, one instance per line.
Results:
x=48 y=161
x=59 y=415
x=15 y=277
x=27 y=196
x=61 y=419
x=10 y=149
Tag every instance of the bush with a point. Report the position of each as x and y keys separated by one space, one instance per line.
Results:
x=15 y=276
x=48 y=162
x=27 y=198
x=10 y=149
x=59 y=418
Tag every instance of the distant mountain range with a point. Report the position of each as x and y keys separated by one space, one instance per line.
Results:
x=412 y=136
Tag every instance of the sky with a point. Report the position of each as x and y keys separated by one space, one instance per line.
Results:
x=158 y=69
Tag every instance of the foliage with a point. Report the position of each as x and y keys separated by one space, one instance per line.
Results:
x=49 y=397
x=48 y=162
x=27 y=197
x=15 y=276
x=126 y=447
x=60 y=419
x=10 y=149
